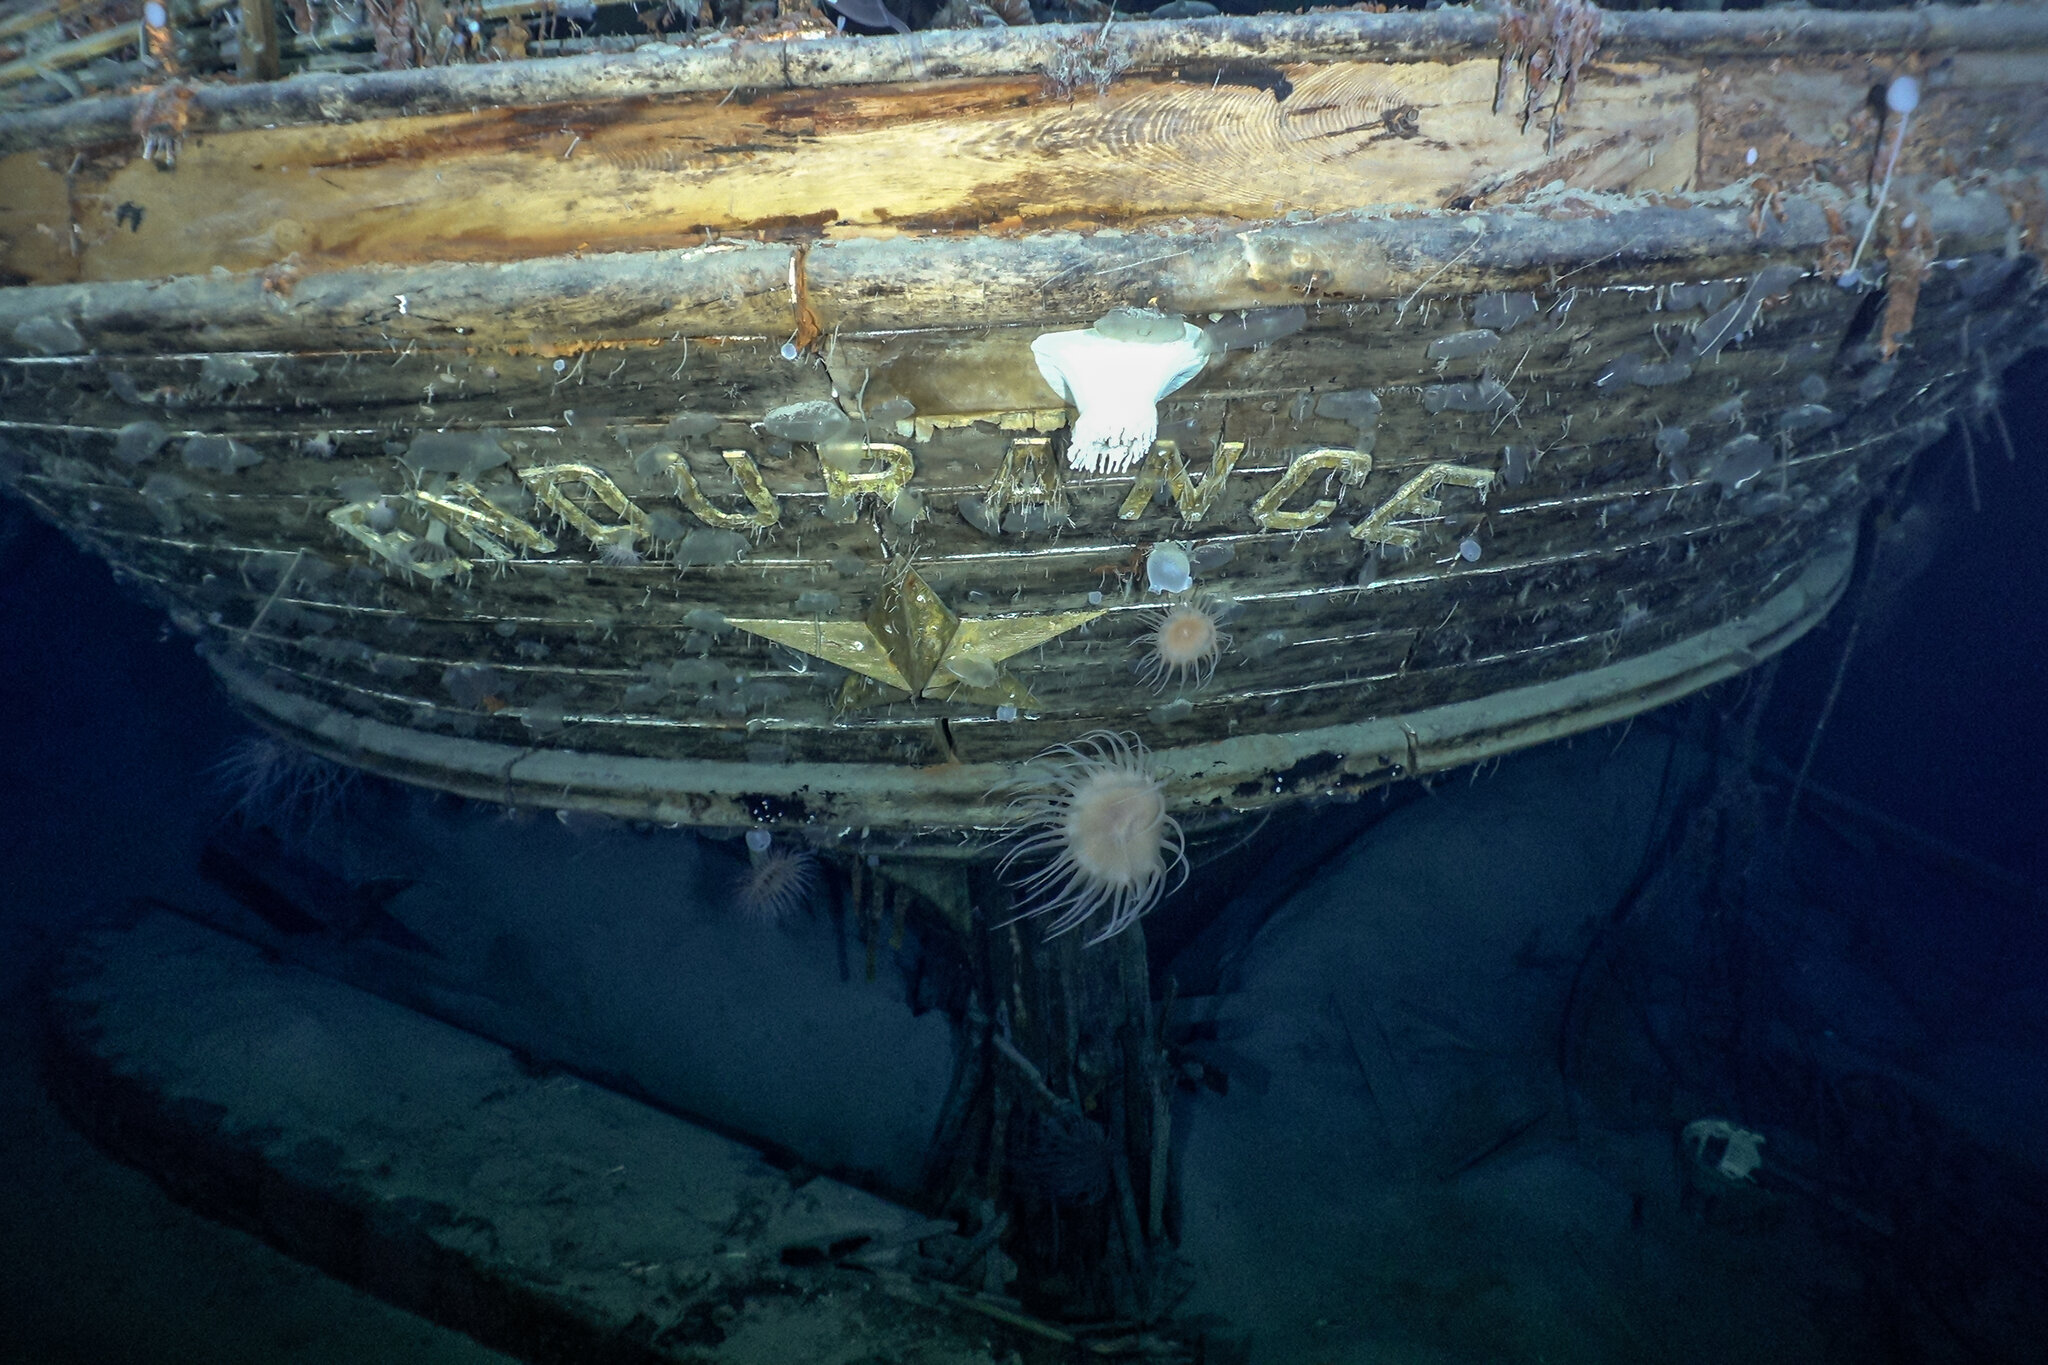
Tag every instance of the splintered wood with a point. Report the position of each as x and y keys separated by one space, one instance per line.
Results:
x=506 y=183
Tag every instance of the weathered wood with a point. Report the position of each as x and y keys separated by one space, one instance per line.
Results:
x=1592 y=512
x=1600 y=553
x=507 y=184
x=256 y=41
x=76 y=52
x=1449 y=33
x=559 y=306
x=644 y=168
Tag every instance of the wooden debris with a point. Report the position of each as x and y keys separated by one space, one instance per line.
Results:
x=1548 y=45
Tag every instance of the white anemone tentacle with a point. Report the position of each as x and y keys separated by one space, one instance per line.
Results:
x=1115 y=385
x=1078 y=819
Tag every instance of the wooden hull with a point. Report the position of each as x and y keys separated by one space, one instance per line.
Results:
x=453 y=321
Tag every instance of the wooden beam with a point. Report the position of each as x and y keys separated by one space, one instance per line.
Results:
x=741 y=289
x=256 y=46
x=504 y=184
x=823 y=63
x=77 y=52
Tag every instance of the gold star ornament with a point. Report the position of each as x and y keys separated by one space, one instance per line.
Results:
x=911 y=644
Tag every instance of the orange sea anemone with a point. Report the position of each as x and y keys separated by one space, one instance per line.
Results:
x=1098 y=819
x=1182 y=645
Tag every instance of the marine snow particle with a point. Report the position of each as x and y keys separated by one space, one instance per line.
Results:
x=1098 y=819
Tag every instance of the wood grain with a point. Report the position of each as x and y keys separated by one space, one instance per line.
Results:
x=505 y=184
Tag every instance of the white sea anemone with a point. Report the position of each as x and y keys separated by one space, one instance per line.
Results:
x=1098 y=820
x=1114 y=374
x=1182 y=645
x=619 y=552
x=280 y=786
x=777 y=879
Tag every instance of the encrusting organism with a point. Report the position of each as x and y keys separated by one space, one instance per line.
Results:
x=1098 y=819
x=1549 y=42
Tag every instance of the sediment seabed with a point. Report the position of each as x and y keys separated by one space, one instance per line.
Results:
x=537 y=1212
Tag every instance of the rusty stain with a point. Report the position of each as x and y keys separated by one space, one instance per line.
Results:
x=807 y=327
x=1908 y=258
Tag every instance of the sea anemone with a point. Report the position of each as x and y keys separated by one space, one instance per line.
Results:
x=1182 y=645
x=279 y=786
x=777 y=880
x=1114 y=375
x=619 y=553
x=1099 y=819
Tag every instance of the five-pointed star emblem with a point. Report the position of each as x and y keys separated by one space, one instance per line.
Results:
x=911 y=644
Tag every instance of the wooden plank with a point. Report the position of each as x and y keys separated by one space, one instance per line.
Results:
x=1656 y=579
x=256 y=52
x=73 y=53
x=1451 y=33
x=503 y=184
x=740 y=289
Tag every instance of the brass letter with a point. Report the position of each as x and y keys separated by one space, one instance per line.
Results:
x=845 y=480
x=546 y=482
x=481 y=524
x=1029 y=477
x=1417 y=497
x=1193 y=500
x=1266 y=511
x=744 y=473
x=473 y=518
